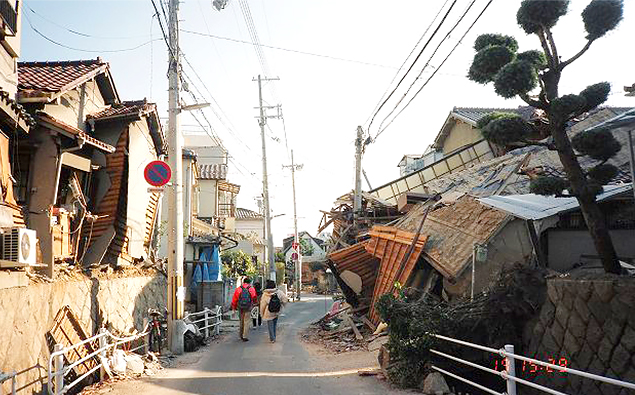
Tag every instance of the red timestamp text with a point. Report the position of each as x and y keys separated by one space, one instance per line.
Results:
x=533 y=368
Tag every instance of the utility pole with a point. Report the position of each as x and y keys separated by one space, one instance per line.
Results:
x=265 y=185
x=176 y=291
x=297 y=264
x=359 y=144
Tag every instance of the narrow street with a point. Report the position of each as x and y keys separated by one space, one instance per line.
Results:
x=286 y=367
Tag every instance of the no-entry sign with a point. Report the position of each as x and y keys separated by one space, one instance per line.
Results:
x=157 y=173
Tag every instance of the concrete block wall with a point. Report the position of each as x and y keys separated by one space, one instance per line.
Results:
x=27 y=313
x=591 y=323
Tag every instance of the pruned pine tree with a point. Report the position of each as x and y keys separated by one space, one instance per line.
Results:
x=534 y=76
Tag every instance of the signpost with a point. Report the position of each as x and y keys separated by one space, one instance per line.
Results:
x=157 y=173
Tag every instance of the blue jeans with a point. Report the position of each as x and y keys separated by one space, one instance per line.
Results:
x=271 y=325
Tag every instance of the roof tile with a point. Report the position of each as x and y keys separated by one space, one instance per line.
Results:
x=124 y=109
x=54 y=76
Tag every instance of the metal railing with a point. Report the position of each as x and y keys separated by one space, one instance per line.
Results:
x=211 y=318
x=57 y=369
x=509 y=374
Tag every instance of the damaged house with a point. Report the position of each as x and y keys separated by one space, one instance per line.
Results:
x=481 y=219
x=81 y=168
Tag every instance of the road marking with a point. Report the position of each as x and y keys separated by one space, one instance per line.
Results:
x=218 y=375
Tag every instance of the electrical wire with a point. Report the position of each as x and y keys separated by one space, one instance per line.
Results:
x=287 y=49
x=436 y=70
x=78 y=33
x=465 y=12
x=406 y=60
x=47 y=38
x=413 y=63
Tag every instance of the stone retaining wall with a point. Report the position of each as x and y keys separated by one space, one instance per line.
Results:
x=591 y=323
x=27 y=313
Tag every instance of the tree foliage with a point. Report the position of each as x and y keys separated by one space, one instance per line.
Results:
x=602 y=16
x=536 y=14
x=534 y=76
x=236 y=263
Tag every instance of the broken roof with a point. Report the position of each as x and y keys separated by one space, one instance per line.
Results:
x=453 y=230
x=217 y=171
x=532 y=206
x=71 y=131
x=243 y=213
x=135 y=109
x=46 y=81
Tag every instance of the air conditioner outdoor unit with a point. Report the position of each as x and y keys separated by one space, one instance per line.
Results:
x=18 y=246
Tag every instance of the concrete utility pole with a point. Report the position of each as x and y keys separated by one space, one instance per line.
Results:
x=359 y=144
x=176 y=291
x=297 y=264
x=265 y=185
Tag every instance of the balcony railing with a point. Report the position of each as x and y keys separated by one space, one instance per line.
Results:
x=9 y=17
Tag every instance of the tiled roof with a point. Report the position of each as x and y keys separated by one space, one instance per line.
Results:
x=124 y=109
x=213 y=172
x=243 y=213
x=11 y=107
x=58 y=75
x=50 y=121
x=473 y=114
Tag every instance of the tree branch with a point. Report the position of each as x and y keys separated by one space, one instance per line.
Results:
x=556 y=59
x=534 y=103
x=576 y=56
x=545 y=47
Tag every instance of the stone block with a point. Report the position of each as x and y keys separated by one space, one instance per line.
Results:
x=620 y=310
x=584 y=290
x=604 y=290
x=592 y=388
x=549 y=344
x=594 y=333
x=434 y=384
x=613 y=330
x=552 y=291
x=604 y=351
x=584 y=357
x=562 y=315
x=571 y=344
x=598 y=309
x=620 y=360
x=10 y=279
x=576 y=325
x=580 y=307
x=628 y=339
x=609 y=389
x=596 y=367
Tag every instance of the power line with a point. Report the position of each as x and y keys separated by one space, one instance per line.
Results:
x=428 y=62
x=437 y=69
x=47 y=38
x=287 y=49
x=413 y=63
x=406 y=60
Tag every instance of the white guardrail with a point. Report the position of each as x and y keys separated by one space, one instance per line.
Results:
x=509 y=372
x=212 y=318
x=57 y=369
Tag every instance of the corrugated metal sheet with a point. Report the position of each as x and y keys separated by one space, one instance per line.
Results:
x=531 y=206
x=391 y=246
x=359 y=261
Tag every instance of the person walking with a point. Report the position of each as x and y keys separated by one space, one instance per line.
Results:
x=271 y=304
x=244 y=298
x=256 y=318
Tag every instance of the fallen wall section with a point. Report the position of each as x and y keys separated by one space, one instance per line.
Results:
x=27 y=313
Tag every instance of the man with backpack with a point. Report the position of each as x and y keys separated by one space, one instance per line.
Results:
x=244 y=298
x=271 y=303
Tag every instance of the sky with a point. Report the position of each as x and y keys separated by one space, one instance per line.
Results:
x=335 y=61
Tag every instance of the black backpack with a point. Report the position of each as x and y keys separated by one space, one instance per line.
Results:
x=244 y=301
x=274 y=303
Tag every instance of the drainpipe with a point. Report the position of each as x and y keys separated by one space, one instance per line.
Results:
x=188 y=196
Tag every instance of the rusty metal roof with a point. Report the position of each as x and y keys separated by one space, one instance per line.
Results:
x=359 y=261
x=391 y=245
x=52 y=122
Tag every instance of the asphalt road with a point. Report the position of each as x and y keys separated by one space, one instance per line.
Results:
x=233 y=367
